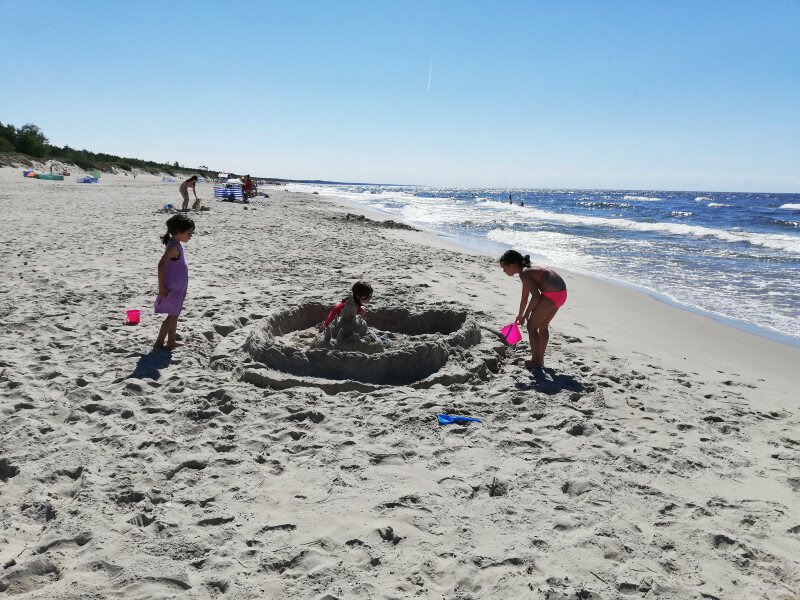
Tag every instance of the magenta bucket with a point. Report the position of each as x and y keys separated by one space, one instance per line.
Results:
x=511 y=334
x=132 y=317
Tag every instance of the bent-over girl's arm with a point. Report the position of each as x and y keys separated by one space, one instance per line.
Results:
x=523 y=302
x=526 y=307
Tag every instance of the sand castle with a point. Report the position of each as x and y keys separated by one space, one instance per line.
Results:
x=418 y=347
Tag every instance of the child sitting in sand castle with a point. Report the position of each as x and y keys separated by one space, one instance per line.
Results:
x=173 y=279
x=547 y=292
x=344 y=330
x=351 y=305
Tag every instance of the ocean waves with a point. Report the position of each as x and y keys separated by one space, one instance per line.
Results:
x=717 y=252
x=641 y=198
x=774 y=241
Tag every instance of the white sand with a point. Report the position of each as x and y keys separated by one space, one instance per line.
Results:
x=660 y=459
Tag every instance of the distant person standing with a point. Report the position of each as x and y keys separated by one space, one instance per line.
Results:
x=249 y=187
x=510 y=201
x=184 y=189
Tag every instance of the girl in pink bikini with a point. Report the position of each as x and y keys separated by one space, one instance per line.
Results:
x=547 y=292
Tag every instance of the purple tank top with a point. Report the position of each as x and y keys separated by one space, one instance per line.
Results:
x=176 y=280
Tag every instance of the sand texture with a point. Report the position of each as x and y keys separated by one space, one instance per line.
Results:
x=658 y=458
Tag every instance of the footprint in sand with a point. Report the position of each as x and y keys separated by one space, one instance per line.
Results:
x=7 y=470
x=34 y=575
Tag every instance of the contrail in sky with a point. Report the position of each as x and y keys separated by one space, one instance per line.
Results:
x=430 y=72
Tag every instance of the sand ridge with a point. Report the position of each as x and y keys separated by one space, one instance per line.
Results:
x=126 y=474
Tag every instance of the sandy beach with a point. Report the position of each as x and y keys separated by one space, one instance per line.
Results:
x=658 y=458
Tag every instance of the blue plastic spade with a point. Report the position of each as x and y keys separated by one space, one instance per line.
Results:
x=450 y=419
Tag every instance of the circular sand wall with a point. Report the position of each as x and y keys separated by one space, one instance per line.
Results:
x=416 y=344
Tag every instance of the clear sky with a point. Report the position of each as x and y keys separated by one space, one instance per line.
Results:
x=695 y=94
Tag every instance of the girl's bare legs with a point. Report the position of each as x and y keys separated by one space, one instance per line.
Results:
x=172 y=339
x=167 y=332
x=538 y=331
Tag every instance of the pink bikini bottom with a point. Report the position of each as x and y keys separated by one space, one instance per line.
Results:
x=558 y=298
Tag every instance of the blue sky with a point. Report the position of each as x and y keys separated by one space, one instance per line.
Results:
x=700 y=95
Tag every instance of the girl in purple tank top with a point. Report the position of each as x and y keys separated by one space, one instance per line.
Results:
x=173 y=279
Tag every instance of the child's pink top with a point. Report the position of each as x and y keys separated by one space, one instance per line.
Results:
x=336 y=311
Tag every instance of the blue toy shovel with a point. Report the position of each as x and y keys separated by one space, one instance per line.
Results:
x=450 y=419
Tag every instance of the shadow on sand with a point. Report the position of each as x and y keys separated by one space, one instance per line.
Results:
x=547 y=381
x=150 y=365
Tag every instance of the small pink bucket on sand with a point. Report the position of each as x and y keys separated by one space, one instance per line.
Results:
x=511 y=334
x=132 y=317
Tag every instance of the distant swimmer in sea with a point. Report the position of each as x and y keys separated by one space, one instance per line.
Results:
x=521 y=203
x=510 y=201
x=184 y=189
x=547 y=293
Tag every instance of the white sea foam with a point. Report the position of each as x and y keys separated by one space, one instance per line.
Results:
x=594 y=204
x=435 y=212
x=786 y=243
x=563 y=250
x=558 y=248
x=702 y=199
x=718 y=205
x=680 y=213
x=790 y=206
x=642 y=198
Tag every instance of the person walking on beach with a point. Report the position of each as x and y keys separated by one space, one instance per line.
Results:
x=547 y=292
x=184 y=189
x=173 y=279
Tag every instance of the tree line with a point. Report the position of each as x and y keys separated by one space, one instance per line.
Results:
x=31 y=141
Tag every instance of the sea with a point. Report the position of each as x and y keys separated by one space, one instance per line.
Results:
x=732 y=256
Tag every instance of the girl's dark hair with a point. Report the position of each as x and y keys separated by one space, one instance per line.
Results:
x=177 y=224
x=362 y=288
x=192 y=178
x=512 y=257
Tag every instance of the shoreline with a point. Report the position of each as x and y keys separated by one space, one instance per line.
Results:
x=671 y=322
x=480 y=247
x=657 y=454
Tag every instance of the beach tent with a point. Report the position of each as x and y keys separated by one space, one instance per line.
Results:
x=87 y=179
x=29 y=174
x=229 y=191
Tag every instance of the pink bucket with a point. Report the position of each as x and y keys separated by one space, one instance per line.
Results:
x=511 y=334
x=132 y=317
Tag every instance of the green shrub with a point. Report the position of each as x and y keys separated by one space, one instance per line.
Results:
x=84 y=164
